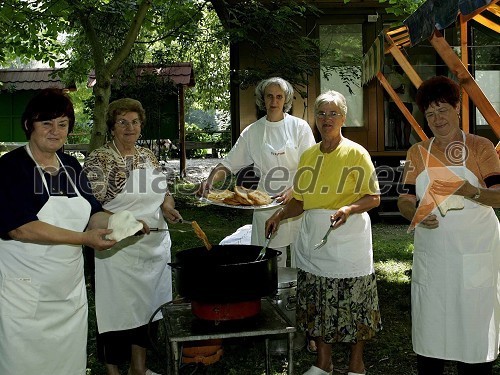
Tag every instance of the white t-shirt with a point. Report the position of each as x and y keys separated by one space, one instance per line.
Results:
x=248 y=149
x=271 y=145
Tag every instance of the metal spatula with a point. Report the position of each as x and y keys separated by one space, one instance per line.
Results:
x=325 y=237
x=169 y=230
x=164 y=230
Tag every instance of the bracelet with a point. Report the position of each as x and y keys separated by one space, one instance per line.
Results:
x=282 y=209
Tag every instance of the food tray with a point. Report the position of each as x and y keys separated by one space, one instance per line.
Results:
x=274 y=203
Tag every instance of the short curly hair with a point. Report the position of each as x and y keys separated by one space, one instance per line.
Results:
x=48 y=104
x=438 y=89
x=260 y=91
x=122 y=106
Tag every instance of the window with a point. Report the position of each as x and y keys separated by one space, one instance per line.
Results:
x=487 y=73
x=341 y=61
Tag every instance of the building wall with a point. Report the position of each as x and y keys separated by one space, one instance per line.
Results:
x=333 y=12
x=12 y=106
x=248 y=109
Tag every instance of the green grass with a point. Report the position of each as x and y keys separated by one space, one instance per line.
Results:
x=389 y=353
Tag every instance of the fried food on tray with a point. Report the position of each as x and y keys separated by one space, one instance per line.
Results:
x=259 y=198
x=220 y=195
x=241 y=196
x=201 y=235
x=232 y=201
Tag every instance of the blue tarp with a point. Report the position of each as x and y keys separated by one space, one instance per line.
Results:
x=438 y=14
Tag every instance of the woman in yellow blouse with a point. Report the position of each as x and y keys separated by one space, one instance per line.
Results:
x=336 y=285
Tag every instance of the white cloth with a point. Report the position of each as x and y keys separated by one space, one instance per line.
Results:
x=455 y=281
x=274 y=148
x=124 y=225
x=43 y=321
x=347 y=252
x=242 y=236
x=451 y=202
x=133 y=278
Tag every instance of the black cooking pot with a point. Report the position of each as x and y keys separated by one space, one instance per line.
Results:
x=226 y=273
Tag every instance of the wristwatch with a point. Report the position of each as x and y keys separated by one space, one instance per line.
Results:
x=477 y=195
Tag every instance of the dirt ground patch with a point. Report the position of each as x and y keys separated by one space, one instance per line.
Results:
x=196 y=169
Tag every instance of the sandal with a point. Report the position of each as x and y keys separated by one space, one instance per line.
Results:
x=311 y=345
x=148 y=372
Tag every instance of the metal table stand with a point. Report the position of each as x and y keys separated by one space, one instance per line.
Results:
x=181 y=326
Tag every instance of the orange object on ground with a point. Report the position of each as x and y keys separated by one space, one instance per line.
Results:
x=206 y=352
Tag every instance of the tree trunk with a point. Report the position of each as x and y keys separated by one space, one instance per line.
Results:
x=104 y=71
x=102 y=93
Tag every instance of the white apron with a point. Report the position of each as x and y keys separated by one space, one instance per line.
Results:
x=133 y=278
x=348 y=251
x=286 y=157
x=455 y=281
x=43 y=300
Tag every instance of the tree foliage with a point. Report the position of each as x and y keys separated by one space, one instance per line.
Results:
x=101 y=35
x=108 y=36
x=207 y=48
x=275 y=35
x=46 y=31
x=402 y=7
x=31 y=30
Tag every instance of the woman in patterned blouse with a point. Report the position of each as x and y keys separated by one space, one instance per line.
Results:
x=132 y=279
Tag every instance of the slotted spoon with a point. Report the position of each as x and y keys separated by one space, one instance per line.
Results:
x=325 y=237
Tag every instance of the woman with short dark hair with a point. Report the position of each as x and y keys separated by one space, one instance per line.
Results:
x=451 y=184
x=47 y=213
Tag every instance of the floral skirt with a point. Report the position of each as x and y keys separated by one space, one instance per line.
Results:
x=338 y=310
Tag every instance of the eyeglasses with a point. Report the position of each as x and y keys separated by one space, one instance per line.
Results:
x=430 y=116
x=332 y=114
x=125 y=123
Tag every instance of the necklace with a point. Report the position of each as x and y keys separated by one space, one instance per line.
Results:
x=121 y=155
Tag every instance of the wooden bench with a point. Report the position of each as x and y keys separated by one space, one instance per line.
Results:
x=77 y=147
x=196 y=145
x=199 y=145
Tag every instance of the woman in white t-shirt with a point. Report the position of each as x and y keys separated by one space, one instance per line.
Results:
x=273 y=144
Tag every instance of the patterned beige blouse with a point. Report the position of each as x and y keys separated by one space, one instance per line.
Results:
x=108 y=171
